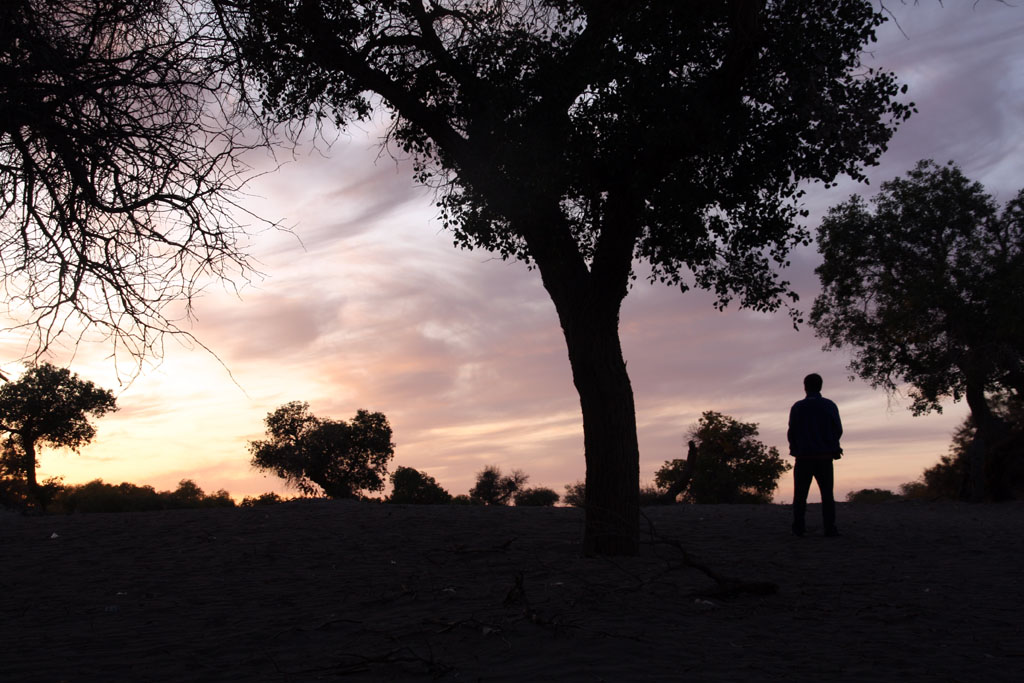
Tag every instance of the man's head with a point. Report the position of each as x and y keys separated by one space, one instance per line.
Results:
x=812 y=383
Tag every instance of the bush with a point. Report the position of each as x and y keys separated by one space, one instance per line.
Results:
x=463 y=499
x=536 y=497
x=410 y=486
x=98 y=496
x=871 y=496
x=269 y=498
x=915 y=490
x=575 y=494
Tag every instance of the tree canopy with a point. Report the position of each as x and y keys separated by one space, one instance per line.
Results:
x=731 y=464
x=581 y=137
x=494 y=488
x=925 y=285
x=316 y=455
x=48 y=406
x=120 y=158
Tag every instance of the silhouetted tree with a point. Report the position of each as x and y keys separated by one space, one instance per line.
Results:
x=580 y=136
x=120 y=157
x=410 y=486
x=926 y=286
x=48 y=406
x=335 y=458
x=732 y=466
x=494 y=488
x=539 y=496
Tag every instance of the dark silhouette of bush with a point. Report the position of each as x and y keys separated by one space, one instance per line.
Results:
x=465 y=499
x=575 y=494
x=269 y=498
x=872 y=496
x=98 y=496
x=915 y=490
x=540 y=496
x=412 y=487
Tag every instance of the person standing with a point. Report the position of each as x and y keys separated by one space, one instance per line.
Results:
x=814 y=433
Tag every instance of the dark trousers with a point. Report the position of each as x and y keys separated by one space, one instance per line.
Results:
x=804 y=471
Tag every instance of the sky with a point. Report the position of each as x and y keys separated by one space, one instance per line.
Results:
x=367 y=304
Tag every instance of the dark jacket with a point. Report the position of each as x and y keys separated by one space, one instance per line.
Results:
x=814 y=428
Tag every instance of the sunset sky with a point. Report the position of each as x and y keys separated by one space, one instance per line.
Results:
x=369 y=305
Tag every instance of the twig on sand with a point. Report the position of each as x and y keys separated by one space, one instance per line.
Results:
x=726 y=586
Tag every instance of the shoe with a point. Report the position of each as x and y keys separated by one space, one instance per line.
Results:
x=832 y=533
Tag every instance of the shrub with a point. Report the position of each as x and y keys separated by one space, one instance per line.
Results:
x=536 y=497
x=871 y=496
x=575 y=494
x=269 y=498
x=410 y=486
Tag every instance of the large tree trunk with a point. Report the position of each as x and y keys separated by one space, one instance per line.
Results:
x=29 y=447
x=609 y=433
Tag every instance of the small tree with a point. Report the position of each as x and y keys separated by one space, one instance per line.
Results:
x=334 y=458
x=494 y=488
x=732 y=466
x=926 y=286
x=539 y=496
x=48 y=406
x=410 y=486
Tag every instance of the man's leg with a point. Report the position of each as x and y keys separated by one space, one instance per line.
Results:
x=802 y=475
x=826 y=479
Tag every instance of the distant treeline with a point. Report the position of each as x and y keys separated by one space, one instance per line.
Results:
x=99 y=496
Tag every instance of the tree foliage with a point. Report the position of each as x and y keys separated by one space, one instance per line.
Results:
x=494 y=488
x=120 y=159
x=581 y=137
x=732 y=466
x=926 y=286
x=316 y=455
x=48 y=406
x=410 y=486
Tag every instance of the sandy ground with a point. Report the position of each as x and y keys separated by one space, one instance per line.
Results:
x=322 y=591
